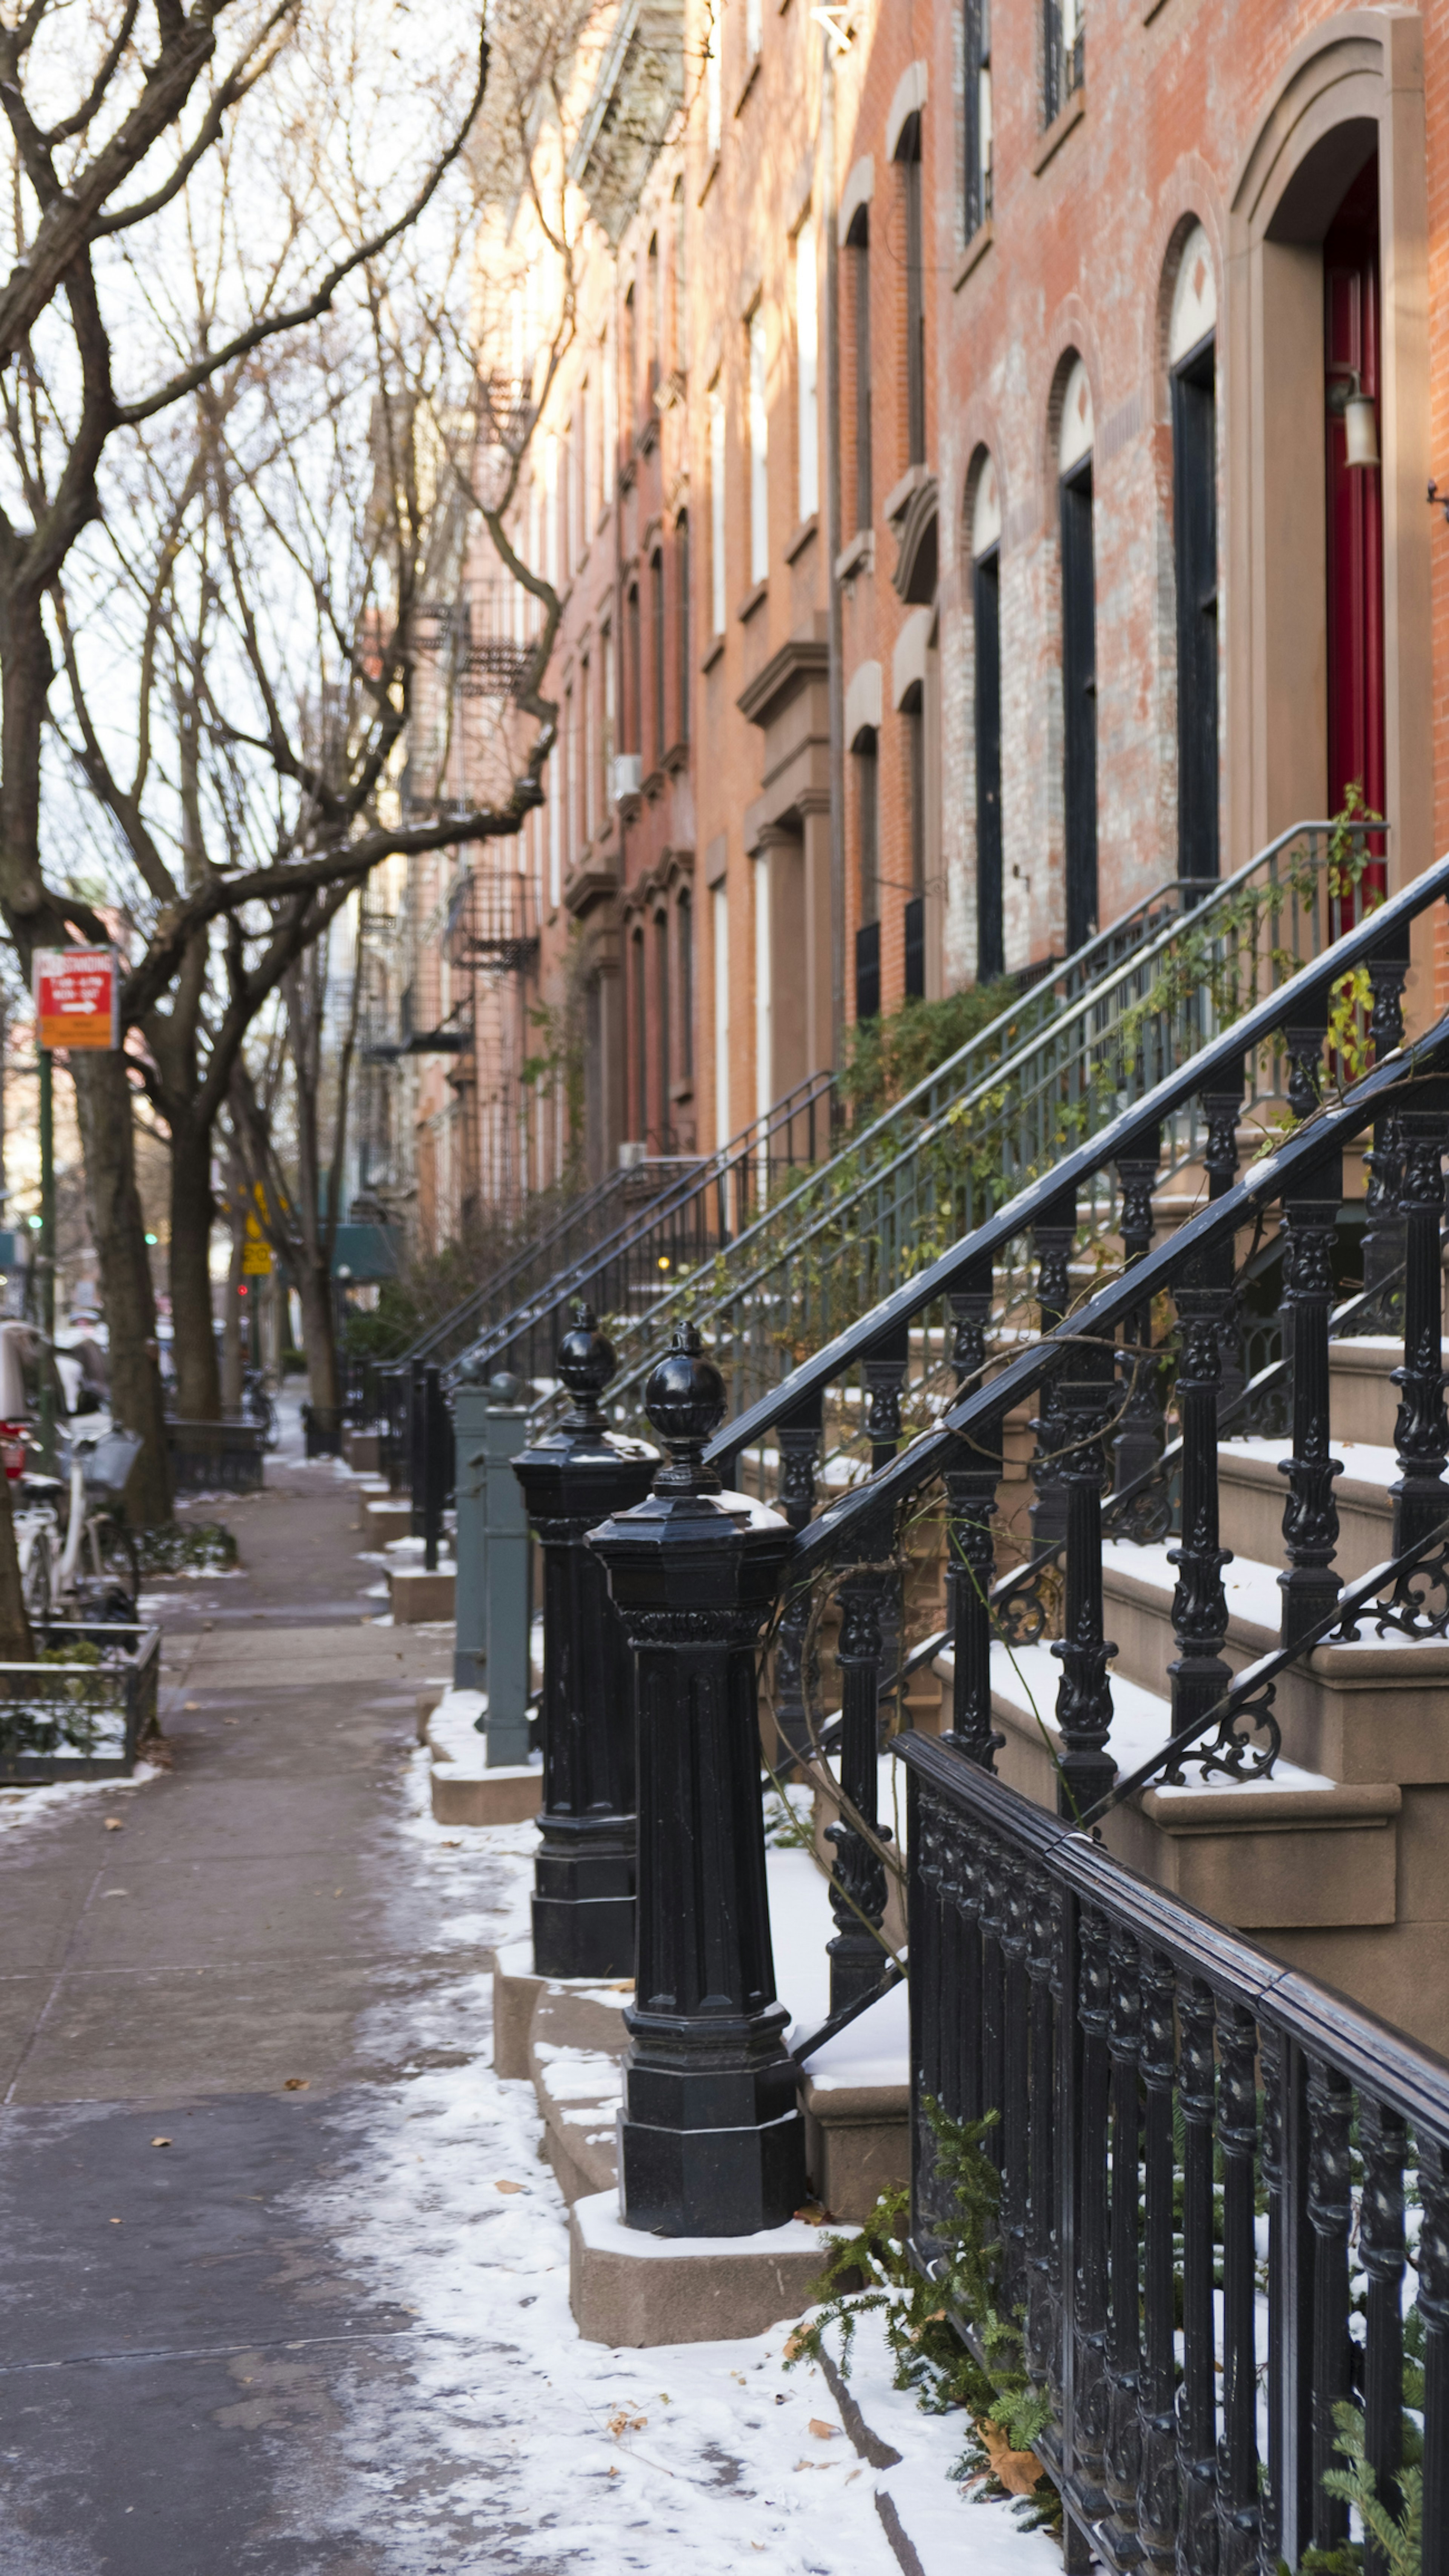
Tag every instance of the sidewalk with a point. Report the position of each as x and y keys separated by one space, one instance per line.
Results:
x=284 y=2279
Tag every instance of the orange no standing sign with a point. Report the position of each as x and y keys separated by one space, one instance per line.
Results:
x=77 y=997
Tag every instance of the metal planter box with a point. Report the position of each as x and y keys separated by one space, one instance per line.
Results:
x=216 y=1457
x=80 y=1721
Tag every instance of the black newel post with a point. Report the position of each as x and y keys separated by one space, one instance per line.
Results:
x=1421 y=1433
x=1310 y=1517
x=712 y=2140
x=583 y=1876
x=1198 y=1673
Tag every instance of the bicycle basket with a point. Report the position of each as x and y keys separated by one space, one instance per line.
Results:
x=107 y=1466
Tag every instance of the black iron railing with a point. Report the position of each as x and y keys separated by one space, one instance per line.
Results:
x=1205 y=2161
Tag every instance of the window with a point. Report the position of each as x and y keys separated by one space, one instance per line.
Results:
x=717 y=510
x=656 y=315
x=611 y=716
x=908 y=154
x=610 y=408
x=634 y=704
x=764 y=997
x=666 y=1062
x=914 y=712
x=867 y=938
x=860 y=279
x=656 y=620
x=1079 y=659
x=641 y=1040
x=1063 y=53
x=586 y=464
x=807 y=359
x=631 y=366
x=682 y=619
x=978 y=114
x=720 y=928
x=1195 y=554
x=555 y=831
x=586 y=700
x=571 y=819
x=759 y=453
x=712 y=90
x=986 y=622
x=684 y=941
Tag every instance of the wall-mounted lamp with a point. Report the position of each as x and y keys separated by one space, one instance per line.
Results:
x=1439 y=501
x=1346 y=396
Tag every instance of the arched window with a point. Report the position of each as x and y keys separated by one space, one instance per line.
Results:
x=656 y=620
x=664 y=1033
x=641 y=1037
x=986 y=621
x=684 y=944
x=866 y=753
x=682 y=622
x=908 y=154
x=1191 y=343
x=859 y=245
x=1079 y=657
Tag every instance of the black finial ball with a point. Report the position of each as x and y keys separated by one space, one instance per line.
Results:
x=685 y=1396
x=586 y=1360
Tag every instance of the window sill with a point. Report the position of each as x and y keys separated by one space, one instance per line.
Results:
x=807 y=530
x=710 y=175
x=676 y=759
x=857 y=557
x=654 y=786
x=1050 y=143
x=753 y=599
x=1152 y=9
x=648 y=439
x=973 y=255
x=751 y=76
x=900 y=496
x=714 y=654
x=679 y=1092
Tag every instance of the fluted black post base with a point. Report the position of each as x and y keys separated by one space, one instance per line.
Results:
x=711 y=2140
x=583 y=1902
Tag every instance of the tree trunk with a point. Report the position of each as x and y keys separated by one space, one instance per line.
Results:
x=103 y=1099
x=198 y=1379
x=319 y=1331
x=17 y=1645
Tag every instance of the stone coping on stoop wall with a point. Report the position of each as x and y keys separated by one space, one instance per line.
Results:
x=417 y=1596
x=630 y=2289
x=464 y=1790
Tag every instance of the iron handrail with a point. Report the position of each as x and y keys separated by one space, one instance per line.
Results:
x=1376 y=934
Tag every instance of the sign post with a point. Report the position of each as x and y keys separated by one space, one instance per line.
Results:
x=77 y=1004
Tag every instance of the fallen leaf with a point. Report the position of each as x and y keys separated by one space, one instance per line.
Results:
x=114 y=1825
x=457 y=1846
x=115 y=2222
x=1020 y=2472
x=624 y=2422
x=793 y=2344
x=193 y=1703
x=823 y=2432
x=508 y=2186
x=621 y=1986
x=296 y=2083
x=160 y=2142
x=813 y=2214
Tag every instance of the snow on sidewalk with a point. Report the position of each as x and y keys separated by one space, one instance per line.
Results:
x=608 y=2460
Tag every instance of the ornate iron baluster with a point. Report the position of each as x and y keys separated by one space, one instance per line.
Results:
x=1270 y=2520
x=858 y=1880
x=935 y=1954
x=1433 y=2264
x=1383 y=1234
x=1157 y=2384
x=1041 y=2230
x=965 y=2051
x=1237 y=2140
x=970 y=1306
x=884 y=1369
x=1330 y=2212
x=1310 y=1518
x=1383 y=2141
x=1084 y=1696
x=1015 y=2114
x=1421 y=1432
x=988 y=1868
x=1222 y=1108
x=573 y=1478
x=711 y=2139
x=1303 y=1041
x=1196 y=2403
x=1124 y=2347
x=1053 y=1236
x=970 y=1562
x=1199 y=1675
x=1094 y=2002
x=1138 y=1442
x=799 y=1438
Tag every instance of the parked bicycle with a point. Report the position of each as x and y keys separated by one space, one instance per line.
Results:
x=259 y=1405
x=77 y=1558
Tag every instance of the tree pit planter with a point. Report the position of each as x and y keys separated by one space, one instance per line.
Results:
x=322 y=1428
x=80 y=1721
x=216 y=1457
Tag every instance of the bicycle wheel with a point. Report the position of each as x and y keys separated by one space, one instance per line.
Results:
x=35 y=1582
x=113 y=1550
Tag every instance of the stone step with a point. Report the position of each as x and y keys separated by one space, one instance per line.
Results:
x=1363 y=1399
x=1252 y=1493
